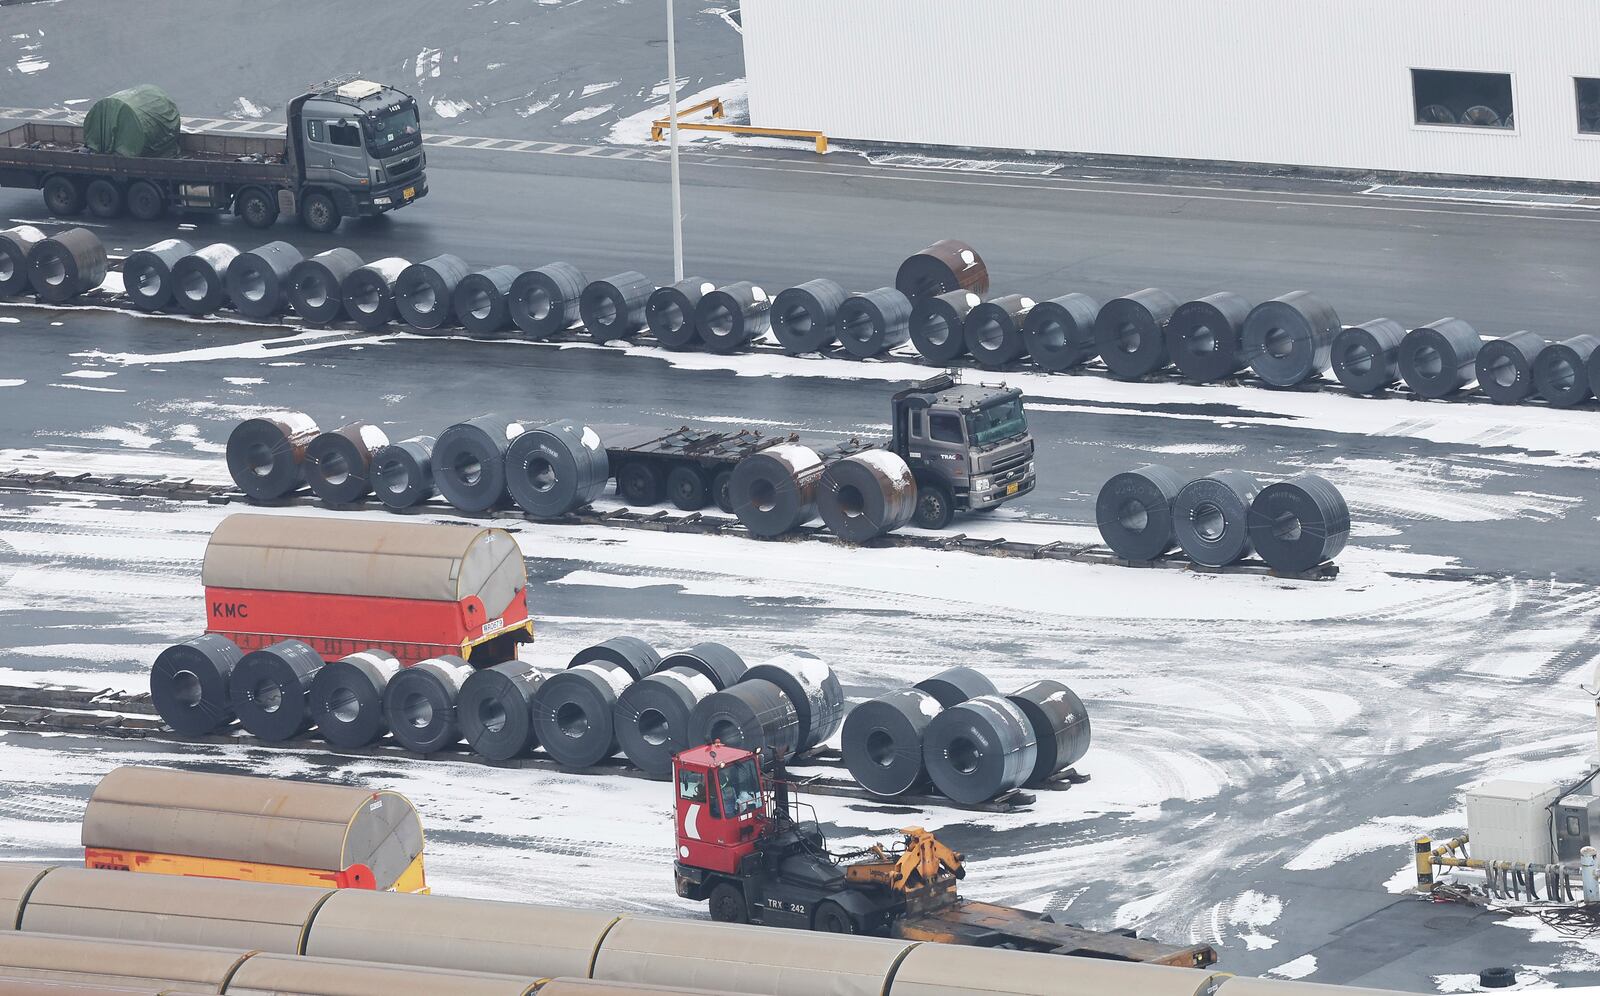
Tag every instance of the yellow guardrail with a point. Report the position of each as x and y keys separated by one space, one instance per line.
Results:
x=658 y=128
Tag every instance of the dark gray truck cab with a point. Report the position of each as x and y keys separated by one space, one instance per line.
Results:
x=967 y=445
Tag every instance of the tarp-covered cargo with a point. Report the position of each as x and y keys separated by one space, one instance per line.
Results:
x=140 y=121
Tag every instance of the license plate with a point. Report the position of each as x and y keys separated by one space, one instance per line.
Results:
x=409 y=193
x=1011 y=489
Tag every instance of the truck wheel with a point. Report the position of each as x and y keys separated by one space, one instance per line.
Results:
x=319 y=213
x=62 y=196
x=145 y=201
x=103 y=198
x=258 y=209
x=640 y=484
x=935 y=508
x=722 y=491
x=686 y=487
x=727 y=904
x=832 y=919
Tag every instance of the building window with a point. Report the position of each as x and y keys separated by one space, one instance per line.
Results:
x=1588 y=106
x=1470 y=100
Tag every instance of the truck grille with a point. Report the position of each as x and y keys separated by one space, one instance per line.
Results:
x=404 y=168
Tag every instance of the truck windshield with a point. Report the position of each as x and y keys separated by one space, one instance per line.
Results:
x=741 y=787
x=997 y=421
x=394 y=129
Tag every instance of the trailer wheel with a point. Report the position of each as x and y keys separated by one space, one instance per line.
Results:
x=640 y=483
x=832 y=919
x=145 y=201
x=103 y=198
x=722 y=491
x=935 y=507
x=257 y=208
x=62 y=196
x=686 y=487
x=319 y=213
x=727 y=904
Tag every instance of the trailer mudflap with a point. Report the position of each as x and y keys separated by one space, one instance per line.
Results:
x=987 y=925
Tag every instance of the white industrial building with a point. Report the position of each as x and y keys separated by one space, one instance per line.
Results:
x=1482 y=88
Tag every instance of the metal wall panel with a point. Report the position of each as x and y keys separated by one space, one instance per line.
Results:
x=1256 y=81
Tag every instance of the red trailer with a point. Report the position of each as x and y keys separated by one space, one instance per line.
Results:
x=342 y=586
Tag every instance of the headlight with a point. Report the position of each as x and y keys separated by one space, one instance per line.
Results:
x=982 y=484
x=1028 y=470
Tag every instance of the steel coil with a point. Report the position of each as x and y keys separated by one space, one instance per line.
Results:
x=613 y=308
x=753 y=715
x=720 y=664
x=402 y=473
x=469 y=462
x=873 y=323
x=574 y=713
x=1060 y=332
x=495 y=710
x=804 y=318
x=15 y=244
x=979 y=749
x=955 y=685
x=369 y=292
x=1130 y=333
x=338 y=464
x=481 y=302
x=1440 y=358
x=775 y=490
x=199 y=280
x=1211 y=517
x=1297 y=524
x=266 y=455
x=1504 y=366
x=1060 y=726
x=1593 y=369
x=1366 y=357
x=939 y=323
x=814 y=691
x=146 y=273
x=346 y=698
x=1561 y=373
x=669 y=313
x=546 y=301
x=420 y=703
x=424 y=293
x=316 y=285
x=946 y=266
x=1134 y=512
x=630 y=653
x=1205 y=337
x=652 y=717
x=67 y=264
x=882 y=741
x=1289 y=340
x=258 y=280
x=732 y=315
x=189 y=684
x=268 y=690
x=867 y=495
x=994 y=331
x=556 y=468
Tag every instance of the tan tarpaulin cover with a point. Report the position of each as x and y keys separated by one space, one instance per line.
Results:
x=746 y=959
x=260 y=820
x=272 y=975
x=1241 y=986
x=116 y=963
x=469 y=934
x=949 y=970
x=342 y=556
x=594 y=987
x=168 y=909
x=15 y=881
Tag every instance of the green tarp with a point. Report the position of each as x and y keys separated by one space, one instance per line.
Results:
x=138 y=121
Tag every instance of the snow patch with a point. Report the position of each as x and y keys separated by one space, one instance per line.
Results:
x=447 y=108
x=586 y=113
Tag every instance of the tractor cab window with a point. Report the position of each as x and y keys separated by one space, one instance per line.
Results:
x=314 y=130
x=997 y=421
x=945 y=428
x=692 y=786
x=344 y=133
x=393 y=129
x=741 y=787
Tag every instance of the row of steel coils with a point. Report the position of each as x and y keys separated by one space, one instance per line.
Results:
x=937 y=304
x=952 y=731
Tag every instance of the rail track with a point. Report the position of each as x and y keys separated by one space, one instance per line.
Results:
x=700 y=523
